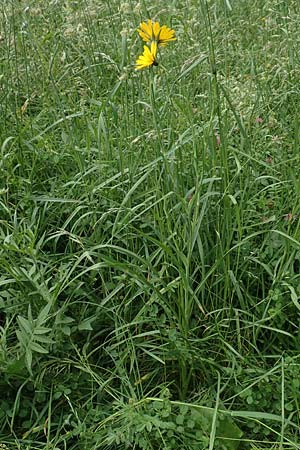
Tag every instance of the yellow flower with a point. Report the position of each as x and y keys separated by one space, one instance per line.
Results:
x=147 y=58
x=152 y=31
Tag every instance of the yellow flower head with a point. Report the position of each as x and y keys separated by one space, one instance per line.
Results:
x=148 y=57
x=152 y=31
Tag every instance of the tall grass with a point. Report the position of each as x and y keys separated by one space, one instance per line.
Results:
x=149 y=253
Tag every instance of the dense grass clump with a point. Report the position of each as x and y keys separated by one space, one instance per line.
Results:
x=150 y=234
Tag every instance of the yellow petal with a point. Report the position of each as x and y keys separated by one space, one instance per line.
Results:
x=152 y=31
x=153 y=48
x=145 y=30
x=156 y=30
x=144 y=36
x=166 y=35
x=147 y=58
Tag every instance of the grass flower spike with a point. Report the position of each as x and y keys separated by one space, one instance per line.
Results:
x=153 y=32
x=147 y=58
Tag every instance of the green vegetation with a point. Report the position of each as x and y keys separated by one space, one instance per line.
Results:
x=150 y=231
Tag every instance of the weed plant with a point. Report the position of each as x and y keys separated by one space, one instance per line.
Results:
x=150 y=245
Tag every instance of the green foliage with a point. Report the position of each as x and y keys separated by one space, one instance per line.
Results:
x=149 y=227
x=32 y=333
x=161 y=423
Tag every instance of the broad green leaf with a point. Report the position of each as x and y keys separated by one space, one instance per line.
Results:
x=227 y=432
x=24 y=325
x=28 y=358
x=43 y=315
x=44 y=339
x=42 y=330
x=22 y=338
x=86 y=324
x=34 y=346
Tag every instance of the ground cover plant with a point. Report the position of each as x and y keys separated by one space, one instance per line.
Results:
x=150 y=245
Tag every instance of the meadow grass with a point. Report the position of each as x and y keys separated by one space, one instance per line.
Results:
x=150 y=242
